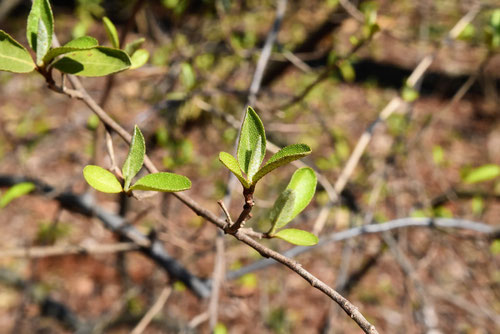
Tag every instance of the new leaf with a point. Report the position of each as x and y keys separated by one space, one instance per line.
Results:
x=111 y=31
x=282 y=157
x=252 y=144
x=303 y=183
x=81 y=43
x=166 y=182
x=16 y=191
x=95 y=62
x=135 y=157
x=13 y=56
x=40 y=14
x=483 y=173
x=281 y=212
x=297 y=237
x=139 y=58
x=102 y=179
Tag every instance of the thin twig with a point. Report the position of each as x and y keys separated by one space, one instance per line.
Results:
x=349 y=308
x=427 y=308
x=219 y=269
x=461 y=224
x=391 y=107
x=352 y=10
x=46 y=251
x=266 y=52
x=85 y=205
x=151 y=313
x=345 y=304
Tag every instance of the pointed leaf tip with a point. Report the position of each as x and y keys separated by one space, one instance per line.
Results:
x=135 y=157
x=111 y=32
x=252 y=143
x=102 y=179
x=16 y=191
x=483 y=173
x=165 y=182
x=297 y=237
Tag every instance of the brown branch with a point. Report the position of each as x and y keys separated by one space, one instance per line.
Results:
x=350 y=309
x=346 y=305
x=239 y=234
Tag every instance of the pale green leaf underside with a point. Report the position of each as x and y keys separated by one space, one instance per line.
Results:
x=82 y=43
x=166 y=182
x=482 y=174
x=135 y=157
x=13 y=56
x=303 y=182
x=139 y=58
x=42 y=41
x=95 y=62
x=281 y=212
x=252 y=137
x=232 y=164
x=255 y=159
x=297 y=237
x=40 y=10
x=111 y=31
x=281 y=158
x=16 y=191
x=102 y=179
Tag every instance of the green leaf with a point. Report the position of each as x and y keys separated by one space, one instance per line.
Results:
x=102 y=179
x=495 y=247
x=188 y=77
x=252 y=143
x=347 y=71
x=495 y=19
x=111 y=31
x=13 y=56
x=135 y=157
x=82 y=43
x=282 y=157
x=232 y=164
x=43 y=42
x=303 y=182
x=139 y=58
x=166 y=182
x=483 y=173
x=133 y=46
x=95 y=62
x=282 y=210
x=297 y=237
x=40 y=11
x=16 y=191
x=409 y=94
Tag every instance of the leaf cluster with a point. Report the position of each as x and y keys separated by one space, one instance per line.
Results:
x=105 y=181
x=82 y=56
x=247 y=167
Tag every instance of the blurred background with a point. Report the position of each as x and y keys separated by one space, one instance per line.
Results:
x=335 y=65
